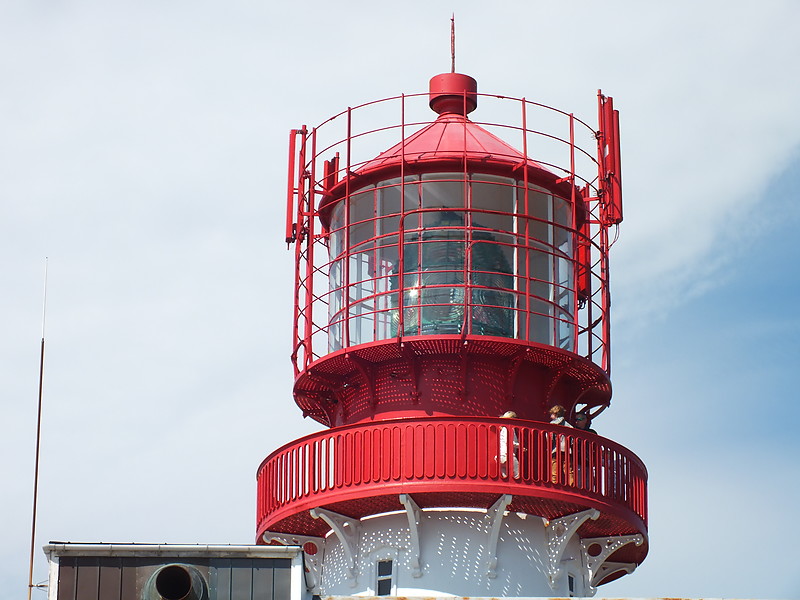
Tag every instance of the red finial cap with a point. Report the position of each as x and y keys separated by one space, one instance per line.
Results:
x=453 y=93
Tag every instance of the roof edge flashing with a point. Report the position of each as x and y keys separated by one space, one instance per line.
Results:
x=217 y=550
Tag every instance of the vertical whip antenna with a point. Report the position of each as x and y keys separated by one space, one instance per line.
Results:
x=38 y=438
x=453 y=43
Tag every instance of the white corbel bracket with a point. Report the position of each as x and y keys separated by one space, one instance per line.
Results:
x=596 y=563
x=347 y=530
x=558 y=533
x=413 y=513
x=312 y=562
x=606 y=569
x=495 y=513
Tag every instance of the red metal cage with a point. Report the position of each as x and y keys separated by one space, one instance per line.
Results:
x=452 y=236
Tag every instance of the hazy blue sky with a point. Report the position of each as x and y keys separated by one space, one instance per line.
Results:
x=143 y=149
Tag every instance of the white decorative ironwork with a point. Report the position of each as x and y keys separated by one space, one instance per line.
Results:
x=596 y=563
x=347 y=530
x=312 y=562
x=559 y=532
x=495 y=514
x=413 y=514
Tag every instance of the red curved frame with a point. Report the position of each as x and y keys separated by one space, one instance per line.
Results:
x=359 y=470
x=340 y=146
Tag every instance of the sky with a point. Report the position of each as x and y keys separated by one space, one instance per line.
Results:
x=143 y=152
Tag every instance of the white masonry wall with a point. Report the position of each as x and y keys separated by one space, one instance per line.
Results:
x=457 y=557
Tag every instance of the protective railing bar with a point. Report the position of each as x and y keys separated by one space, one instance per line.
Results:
x=455 y=451
x=424 y=97
x=541 y=248
x=377 y=130
x=377 y=314
x=578 y=177
x=364 y=245
x=343 y=141
x=355 y=164
x=460 y=285
x=490 y=124
x=340 y=316
x=457 y=208
x=541 y=134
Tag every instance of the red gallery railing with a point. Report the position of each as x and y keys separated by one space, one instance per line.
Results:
x=354 y=464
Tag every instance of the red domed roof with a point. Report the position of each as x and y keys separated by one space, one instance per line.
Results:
x=451 y=137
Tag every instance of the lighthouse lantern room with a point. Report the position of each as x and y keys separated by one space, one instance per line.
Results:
x=451 y=294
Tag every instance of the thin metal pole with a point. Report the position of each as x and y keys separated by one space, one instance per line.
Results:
x=453 y=43
x=38 y=438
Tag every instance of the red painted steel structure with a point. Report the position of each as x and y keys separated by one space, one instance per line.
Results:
x=440 y=283
x=360 y=470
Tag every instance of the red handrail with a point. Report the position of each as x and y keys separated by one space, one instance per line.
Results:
x=449 y=454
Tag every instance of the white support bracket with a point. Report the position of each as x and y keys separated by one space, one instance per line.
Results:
x=495 y=513
x=347 y=530
x=312 y=562
x=596 y=562
x=414 y=517
x=606 y=569
x=559 y=532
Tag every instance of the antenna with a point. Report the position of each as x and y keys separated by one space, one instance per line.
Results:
x=38 y=439
x=453 y=43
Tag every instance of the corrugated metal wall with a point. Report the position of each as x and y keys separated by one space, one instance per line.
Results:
x=126 y=577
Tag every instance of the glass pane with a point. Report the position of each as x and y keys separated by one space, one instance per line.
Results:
x=444 y=219
x=386 y=264
x=387 y=225
x=437 y=194
x=362 y=215
x=384 y=587
x=411 y=321
x=361 y=232
x=337 y=232
x=443 y=311
x=539 y=273
x=389 y=206
x=361 y=279
x=389 y=197
x=564 y=329
x=563 y=288
x=411 y=255
x=495 y=197
x=386 y=320
x=335 y=336
x=362 y=206
x=540 y=209
x=562 y=212
x=540 y=324
x=362 y=322
x=492 y=262
x=412 y=218
x=443 y=190
x=492 y=313
x=335 y=287
x=384 y=567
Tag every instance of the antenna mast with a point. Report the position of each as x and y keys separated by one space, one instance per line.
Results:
x=38 y=438
x=453 y=43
